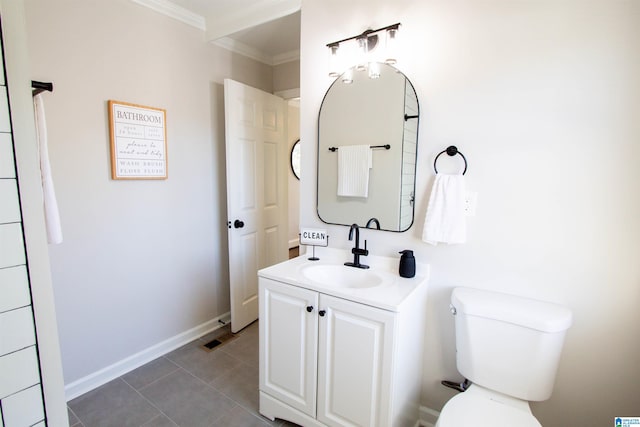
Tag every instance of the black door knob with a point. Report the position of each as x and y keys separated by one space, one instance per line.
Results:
x=322 y=313
x=309 y=308
x=238 y=224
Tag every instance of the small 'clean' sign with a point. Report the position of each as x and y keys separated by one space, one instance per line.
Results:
x=313 y=237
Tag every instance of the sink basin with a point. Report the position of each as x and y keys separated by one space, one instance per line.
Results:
x=340 y=276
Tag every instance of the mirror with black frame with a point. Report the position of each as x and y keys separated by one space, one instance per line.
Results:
x=294 y=159
x=381 y=113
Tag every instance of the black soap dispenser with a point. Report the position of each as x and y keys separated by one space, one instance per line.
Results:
x=407 y=264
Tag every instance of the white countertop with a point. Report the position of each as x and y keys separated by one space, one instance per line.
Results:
x=390 y=295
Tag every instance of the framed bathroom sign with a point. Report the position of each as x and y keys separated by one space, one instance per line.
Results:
x=138 y=141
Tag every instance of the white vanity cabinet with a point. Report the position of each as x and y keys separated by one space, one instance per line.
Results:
x=289 y=344
x=332 y=361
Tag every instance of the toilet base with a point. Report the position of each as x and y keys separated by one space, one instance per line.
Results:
x=481 y=407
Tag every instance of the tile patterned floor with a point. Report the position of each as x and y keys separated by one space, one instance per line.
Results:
x=188 y=387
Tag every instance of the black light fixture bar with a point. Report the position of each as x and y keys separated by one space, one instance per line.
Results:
x=364 y=34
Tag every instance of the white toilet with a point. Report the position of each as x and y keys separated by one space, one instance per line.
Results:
x=509 y=348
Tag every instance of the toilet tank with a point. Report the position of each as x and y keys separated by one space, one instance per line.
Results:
x=507 y=343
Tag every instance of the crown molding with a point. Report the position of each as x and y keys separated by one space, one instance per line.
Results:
x=243 y=49
x=174 y=11
x=253 y=53
x=282 y=58
x=262 y=10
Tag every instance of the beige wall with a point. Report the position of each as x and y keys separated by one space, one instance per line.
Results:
x=543 y=98
x=142 y=261
x=286 y=76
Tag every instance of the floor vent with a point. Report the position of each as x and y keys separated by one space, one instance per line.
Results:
x=223 y=339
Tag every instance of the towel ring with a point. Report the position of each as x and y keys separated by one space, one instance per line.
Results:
x=451 y=150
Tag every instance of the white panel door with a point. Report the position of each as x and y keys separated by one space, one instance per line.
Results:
x=256 y=192
x=288 y=344
x=354 y=364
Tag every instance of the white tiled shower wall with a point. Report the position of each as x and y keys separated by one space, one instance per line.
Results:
x=20 y=385
x=409 y=148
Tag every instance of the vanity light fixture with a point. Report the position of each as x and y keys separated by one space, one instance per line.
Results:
x=366 y=55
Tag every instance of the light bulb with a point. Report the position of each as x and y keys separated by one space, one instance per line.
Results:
x=334 y=61
x=374 y=70
x=347 y=76
x=391 y=46
x=363 y=50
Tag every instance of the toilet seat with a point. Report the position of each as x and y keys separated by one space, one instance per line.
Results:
x=483 y=408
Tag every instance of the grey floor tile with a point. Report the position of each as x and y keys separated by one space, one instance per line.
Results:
x=114 y=404
x=150 y=372
x=73 y=420
x=285 y=423
x=160 y=421
x=203 y=364
x=188 y=387
x=275 y=423
x=250 y=332
x=241 y=385
x=245 y=347
x=252 y=328
x=188 y=401
x=239 y=417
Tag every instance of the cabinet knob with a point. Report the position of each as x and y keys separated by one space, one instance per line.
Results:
x=322 y=313
x=309 y=308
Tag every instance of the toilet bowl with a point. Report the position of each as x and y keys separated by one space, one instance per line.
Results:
x=481 y=407
x=509 y=348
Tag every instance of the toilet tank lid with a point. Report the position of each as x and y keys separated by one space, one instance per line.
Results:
x=534 y=314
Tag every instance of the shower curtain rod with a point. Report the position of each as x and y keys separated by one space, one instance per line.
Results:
x=41 y=87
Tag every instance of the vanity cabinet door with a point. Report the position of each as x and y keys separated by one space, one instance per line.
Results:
x=354 y=364
x=288 y=344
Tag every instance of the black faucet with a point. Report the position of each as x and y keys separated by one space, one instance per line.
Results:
x=357 y=251
x=375 y=221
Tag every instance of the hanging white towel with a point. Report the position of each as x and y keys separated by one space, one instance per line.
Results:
x=354 y=162
x=51 y=214
x=445 y=220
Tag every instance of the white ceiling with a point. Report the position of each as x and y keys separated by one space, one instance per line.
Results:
x=266 y=30
x=275 y=37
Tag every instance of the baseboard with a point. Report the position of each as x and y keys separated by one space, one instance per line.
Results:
x=104 y=375
x=428 y=416
x=294 y=243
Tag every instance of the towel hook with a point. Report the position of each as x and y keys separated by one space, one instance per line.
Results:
x=451 y=150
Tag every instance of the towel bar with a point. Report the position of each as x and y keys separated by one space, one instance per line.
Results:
x=41 y=87
x=451 y=150
x=386 y=147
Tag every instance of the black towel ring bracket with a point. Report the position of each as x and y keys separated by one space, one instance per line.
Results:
x=451 y=150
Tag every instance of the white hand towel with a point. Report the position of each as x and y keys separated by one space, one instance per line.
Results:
x=445 y=220
x=354 y=162
x=51 y=214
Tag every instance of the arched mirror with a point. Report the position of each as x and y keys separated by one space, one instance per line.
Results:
x=294 y=160
x=381 y=113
